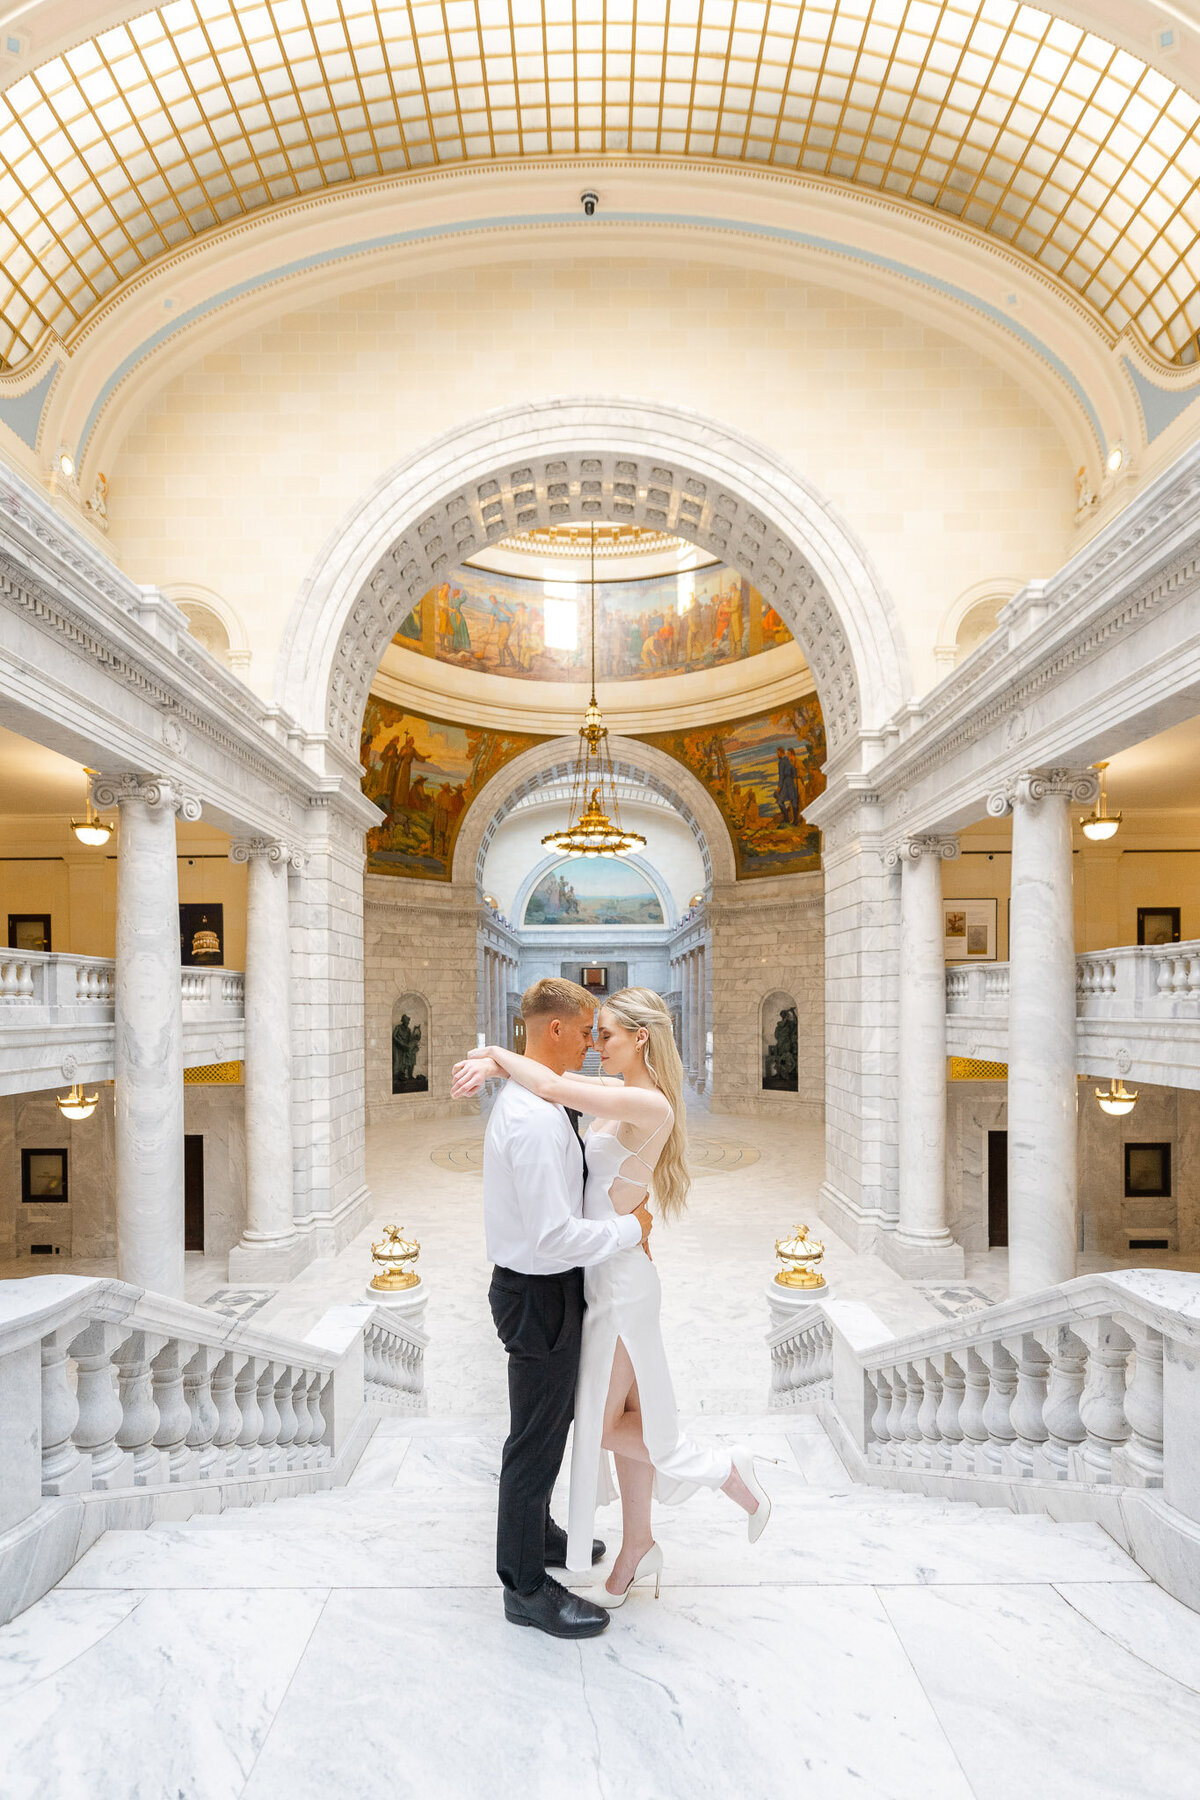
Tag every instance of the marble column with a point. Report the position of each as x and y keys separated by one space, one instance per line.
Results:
x=701 y=1022
x=1041 y=1026
x=922 y=1243
x=148 y=1050
x=269 y=1246
x=689 y=1014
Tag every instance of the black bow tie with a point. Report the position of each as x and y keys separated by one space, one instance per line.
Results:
x=573 y=1114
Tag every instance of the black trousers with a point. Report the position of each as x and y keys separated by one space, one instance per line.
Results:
x=539 y=1320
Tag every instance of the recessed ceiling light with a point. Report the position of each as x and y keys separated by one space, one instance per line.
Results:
x=1116 y=457
x=66 y=464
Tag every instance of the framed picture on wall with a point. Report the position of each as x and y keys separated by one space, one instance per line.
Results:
x=201 y=935
x=43 y=1177
x=29 y=931
x=969 y=930
x=1147 y=1170
x=595 y=979
x=1158 y=924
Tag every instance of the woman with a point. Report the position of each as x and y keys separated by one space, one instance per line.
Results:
x=624 y=1400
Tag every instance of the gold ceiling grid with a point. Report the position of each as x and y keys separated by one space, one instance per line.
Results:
x=1018 y=124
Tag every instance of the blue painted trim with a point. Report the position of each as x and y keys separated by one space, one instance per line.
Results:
x=397 y=239
x=23 y=413
x=1160 y=406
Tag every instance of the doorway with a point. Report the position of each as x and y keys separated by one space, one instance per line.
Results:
x=997 y=1190
x=193 y=1192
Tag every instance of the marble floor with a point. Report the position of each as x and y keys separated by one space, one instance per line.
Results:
x=873 y=1644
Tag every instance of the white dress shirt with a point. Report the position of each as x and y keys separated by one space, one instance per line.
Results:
x=533 y=1191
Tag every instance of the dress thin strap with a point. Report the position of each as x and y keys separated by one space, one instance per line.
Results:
x=636 y=1155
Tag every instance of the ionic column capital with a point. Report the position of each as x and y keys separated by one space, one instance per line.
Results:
x=1079 y=786
x=158 y=792
x=943 y=846
x=272 y=850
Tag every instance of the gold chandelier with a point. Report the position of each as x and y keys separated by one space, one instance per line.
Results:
x=594 y=824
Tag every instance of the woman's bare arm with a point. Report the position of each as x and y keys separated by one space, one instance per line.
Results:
x=643 y=1107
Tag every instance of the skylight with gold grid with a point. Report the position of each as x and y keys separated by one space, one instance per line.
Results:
x=1015 y=123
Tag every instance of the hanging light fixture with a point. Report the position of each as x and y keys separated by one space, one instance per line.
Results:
x=1117 y=1099
x=594 y=826
x=76 y=1104
x=93 y=829
x=1101 y=824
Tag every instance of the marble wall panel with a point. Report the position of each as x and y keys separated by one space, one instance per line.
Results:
x=419 y=938
x=217 y=1114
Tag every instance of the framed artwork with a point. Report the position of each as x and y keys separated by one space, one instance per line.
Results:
x=201 y=935
x=1147 y=1170
x=43 y=1177
x=29 y=931
x=1158 y=924
x=969 y=930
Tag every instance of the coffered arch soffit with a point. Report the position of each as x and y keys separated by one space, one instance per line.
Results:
x=531 y=467
x=552 y=762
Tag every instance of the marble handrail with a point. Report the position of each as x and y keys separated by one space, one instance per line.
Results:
x=1089 y=1392
x=1128 y=981
x=111 y=1393
x=40 y=988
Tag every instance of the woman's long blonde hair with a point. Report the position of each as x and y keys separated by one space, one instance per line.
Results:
x=641 y=1009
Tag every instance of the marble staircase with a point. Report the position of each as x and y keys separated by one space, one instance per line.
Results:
x=875 y=1643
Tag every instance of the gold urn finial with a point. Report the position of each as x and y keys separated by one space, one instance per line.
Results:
x=801 y=1257
x=395 y=1256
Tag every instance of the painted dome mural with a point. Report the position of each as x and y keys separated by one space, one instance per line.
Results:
x=665 y=624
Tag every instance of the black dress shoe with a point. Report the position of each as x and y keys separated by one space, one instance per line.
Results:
x=556 y=1547
x=554 y=1609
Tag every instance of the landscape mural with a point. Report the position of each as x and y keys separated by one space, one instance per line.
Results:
x=762 y=772
x=599 y=890
x=425 y=773
x=660 y=625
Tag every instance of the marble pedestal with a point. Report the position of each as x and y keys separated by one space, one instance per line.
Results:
x=408 y=1305
x=784 y=1303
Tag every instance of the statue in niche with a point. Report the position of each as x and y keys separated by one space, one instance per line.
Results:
x=406 y=1042
x=781 y=1062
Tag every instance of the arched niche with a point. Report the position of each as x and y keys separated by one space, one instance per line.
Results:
x=409 y=1043
x=780 y=1043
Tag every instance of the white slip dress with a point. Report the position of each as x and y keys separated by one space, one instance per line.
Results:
x=624 y=1300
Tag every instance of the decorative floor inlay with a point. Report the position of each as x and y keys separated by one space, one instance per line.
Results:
x=955 y=1301
x=242 y=1303
x=707 y=1156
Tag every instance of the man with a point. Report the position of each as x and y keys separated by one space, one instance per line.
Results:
x=533 y=1175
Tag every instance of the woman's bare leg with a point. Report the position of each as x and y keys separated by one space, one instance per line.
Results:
x=635 y=1475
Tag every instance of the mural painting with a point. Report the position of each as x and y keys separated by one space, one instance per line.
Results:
x=762 y=772
x=660 y=625
x=425 y=773
x=600 y=890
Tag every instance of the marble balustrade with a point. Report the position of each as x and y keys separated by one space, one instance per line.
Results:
x=130 y=1405
x=1082 y=1400
x=1139 y=1000
x=56 y=1006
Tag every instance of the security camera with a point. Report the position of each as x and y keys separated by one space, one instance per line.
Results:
x=589 y=203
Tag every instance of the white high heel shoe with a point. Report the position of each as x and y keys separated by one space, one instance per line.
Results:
x=651 y=1564
x=743 y=1463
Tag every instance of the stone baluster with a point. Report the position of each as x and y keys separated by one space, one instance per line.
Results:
x=997 y=1410
x=100 y=1405
x=879 y=1418
x=928 y=1452
x=148 y=1044
x=174 y=1413
x=1041 y=1026
x=1102 y=1403
x=139 y=1413
x=202 y=1430
x=268 y=1435
x=64 y=1471
x=1139 y=1461
x=1033 y=1368
x=249 y=1438
x=298 y=1456
x=318 y=1449
x=949 y=1429
x=1060 y=1410
x=895 y=1421
x=914 y=1395
x=326 y=1406
x=922 y=1240
x=969 y=1451
x=286 y=1436
x=232 y=1457
x=269 y=1245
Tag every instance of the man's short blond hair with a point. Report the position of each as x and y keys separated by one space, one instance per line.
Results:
x=555 y=998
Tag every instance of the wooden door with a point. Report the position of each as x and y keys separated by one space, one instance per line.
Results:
x=193 y=1192
x=997 y=1166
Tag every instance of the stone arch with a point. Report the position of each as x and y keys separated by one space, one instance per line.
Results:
x=213 y=622
x=534 y=466
x=993 y=593
x=555 y=760
x=644 y=867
